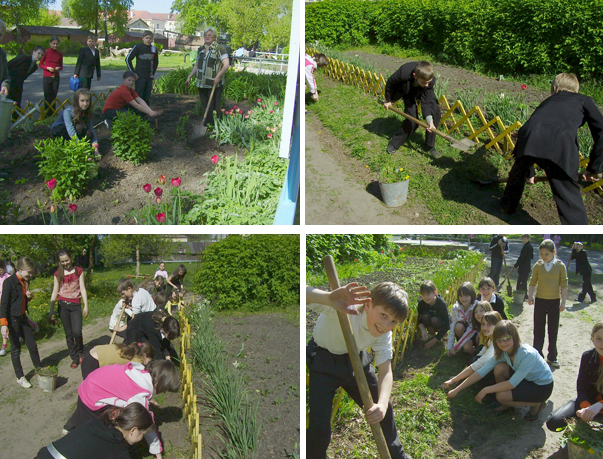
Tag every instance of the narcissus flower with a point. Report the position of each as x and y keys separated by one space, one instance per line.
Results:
x=52 y=184
x=147 y=187
x=176 y=182
x=160 y=217
x=215 y=159
x=162 y=179
x=72 y=207
x=158 y=191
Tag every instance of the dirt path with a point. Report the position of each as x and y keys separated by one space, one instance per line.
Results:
x=32 y=418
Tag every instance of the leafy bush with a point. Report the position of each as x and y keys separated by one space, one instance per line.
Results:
x=246 y=85
x=131 y=137
x=342 y=247
x=70 y=163
x=250 y=272
x=174 y=83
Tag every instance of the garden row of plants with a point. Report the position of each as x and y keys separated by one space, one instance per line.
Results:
x=516 y=36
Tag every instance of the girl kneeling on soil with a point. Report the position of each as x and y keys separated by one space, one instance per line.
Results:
x=75 y=122
x=588 y=404
x=550 y=275
x=108 y=437
x=487 y=289
x=157 y=328
x=522 y=376
x=489 y=320
x=461 y=324
x=121 y=385
x=70 y=289
x=120 y=354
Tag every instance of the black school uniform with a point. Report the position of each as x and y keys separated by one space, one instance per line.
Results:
x=19 y=69
x=497 y=304
x=87 y=61
x=147 y=61
x=550 y=140
x=143 y=328
x=435 y=316
x=497 y=258
x=524 y=266
x=401 y=85
x=583 y=267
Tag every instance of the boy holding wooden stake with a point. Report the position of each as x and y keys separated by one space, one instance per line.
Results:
x=372 y=320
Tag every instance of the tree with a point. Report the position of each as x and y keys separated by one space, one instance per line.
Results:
x=194 y=14
x=65 y=9
x=87 y=14
x=121 y=247
x=19 y=12
x=45 y=19
x=250 y=21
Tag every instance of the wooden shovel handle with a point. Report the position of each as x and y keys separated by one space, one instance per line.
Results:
x=123 y=309
x=350 y=341
x=211 y=96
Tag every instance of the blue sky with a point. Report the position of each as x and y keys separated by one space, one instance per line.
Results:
x=152 y=6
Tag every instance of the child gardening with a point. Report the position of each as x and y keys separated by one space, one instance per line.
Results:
x=147 y=61
x=320 y=60
x=124 y=98
x=433 y=314
x=583 y=267
x=330 y=366
x=550 y=275
x=88 y=60
x=524 y=264
x=411 y=82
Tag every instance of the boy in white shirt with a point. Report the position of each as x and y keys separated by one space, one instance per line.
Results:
x=140 y=299
x=372 y=321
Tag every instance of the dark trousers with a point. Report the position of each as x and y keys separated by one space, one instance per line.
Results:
x=18 y=327
x=83 y=414
x=522 y=280
x=327 y=373
x=51 y=89
x=89 y=364
x=566 y=191
x=82 y=132
x=542 y=309
x=85 y=82
x=558 y=418
x=495 y=269
x=204 y=94
x=408 y=127
x=71 y=316
x=15 y=92
x=587 y=287
x=143 y=88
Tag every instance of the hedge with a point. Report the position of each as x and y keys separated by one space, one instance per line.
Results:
x=250 y=272
x=507 y=36
x=342 y=247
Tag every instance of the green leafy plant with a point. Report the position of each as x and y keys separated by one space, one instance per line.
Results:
x=51 y=370
x=70 y=163
x=586 y=435
x=181 y=126
x=393 y=173
x=161 y=209
x=131 y=137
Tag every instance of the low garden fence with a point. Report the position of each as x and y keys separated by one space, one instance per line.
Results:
x=494 y=133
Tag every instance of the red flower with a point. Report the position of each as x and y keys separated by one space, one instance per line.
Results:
x=176 y=182
x=271 y=111
x=158 y=191
x=160 y=217
x=161 y=179
x=235 y=107
x=355 y=259
x=72 y=207
x=269 y=136
x=441 y=262
x=147 y=187
x=259 y=100
x=263 y=106
x=52 y=184
x=276 y=103
x=215 y=159
x=524 y=87
x=382 y=251
x=246 y=116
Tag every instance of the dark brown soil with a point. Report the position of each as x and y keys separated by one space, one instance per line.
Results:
x=270 y=360
x=118 y=188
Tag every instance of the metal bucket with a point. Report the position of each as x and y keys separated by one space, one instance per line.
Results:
x=6 y=108
x=47 y=383
x=394 y=194
x=518 y=297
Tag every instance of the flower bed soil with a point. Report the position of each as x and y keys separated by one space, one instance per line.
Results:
x=118 y=188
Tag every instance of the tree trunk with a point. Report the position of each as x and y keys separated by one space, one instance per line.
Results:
x=91 y=249
x=137 y=260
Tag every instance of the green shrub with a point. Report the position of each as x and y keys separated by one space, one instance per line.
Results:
x=250 y=272
x=342 y=247
x=174 y=83
x=69 y=162
x=250 y=86
x=131 y=137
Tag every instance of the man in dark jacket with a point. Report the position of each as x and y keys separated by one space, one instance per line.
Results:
x=550 y=140
x=524 y=264
x=583 y=267
x=411 y=82
x=87 y=60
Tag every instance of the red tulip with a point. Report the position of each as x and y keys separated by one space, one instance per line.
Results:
x=276 y=103
x=235 y=107
x=52 y=184
x=176 y=182
x=524 y=87
x=160 y=217
x=269 y=136
x=246 y=116
x=158 y=191
x=161 y=179
x=259 y=100
x=263 y=106
x=441 y=262
x=271 y=111
x=72 y=207
x=147 y=187
x=215 y=159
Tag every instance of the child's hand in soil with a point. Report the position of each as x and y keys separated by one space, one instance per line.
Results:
x=446 y=384
x=452 y=394
x=376 y=413
x=451 y=352
x=480 y=396
x=424 y=335
x=342 y=298
x=429 y=344
x=153 y=402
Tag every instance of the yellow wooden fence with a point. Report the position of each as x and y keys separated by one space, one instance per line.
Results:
x=46 y=112
x=455 y=117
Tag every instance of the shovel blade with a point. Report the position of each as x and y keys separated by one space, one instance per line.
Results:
x=460 y=145
x=199 y=131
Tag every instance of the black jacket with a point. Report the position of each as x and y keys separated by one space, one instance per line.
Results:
x=552 y=132
x=587 y=377
x=582 y=264
x=12 y=298
x=497 y=250
x=19 y=69
x=401 y=86
x=439 y=310
x=143 y=328
x=87 y=62
x=147 y=60
x=524 y=262
x=498 y=305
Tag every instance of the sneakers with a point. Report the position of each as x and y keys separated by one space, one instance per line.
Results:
x=435 y=153
x=23 y=382
x=3 y=352
x=64 y=432
x=391 y=149
x=553 y=363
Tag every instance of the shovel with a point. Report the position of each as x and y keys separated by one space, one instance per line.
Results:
x=199 y=131
x=496 y=181
x=463 y=145
x=350 y=342
x=509 y=288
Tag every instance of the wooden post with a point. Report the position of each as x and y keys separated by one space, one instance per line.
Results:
x=350 y=341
